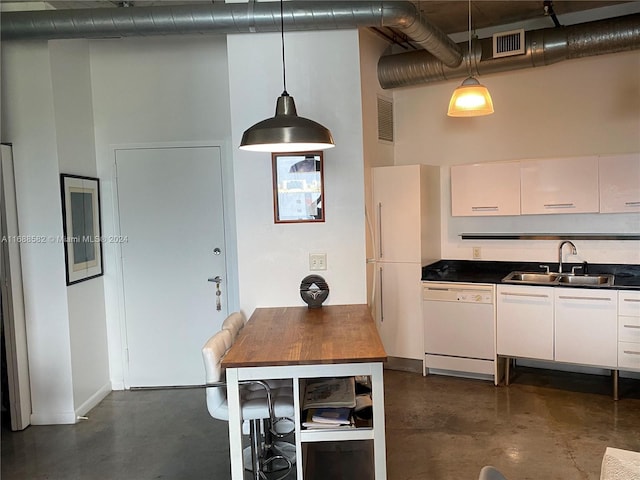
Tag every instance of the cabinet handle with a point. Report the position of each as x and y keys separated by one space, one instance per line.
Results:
x=631 y=326
x=381 y=298
x=566 y=297
x=632 y=204
x=484 y=209
x=631 y=352
x=538 y=295
x=380 y=229
x=631 y=300
x=559 y=205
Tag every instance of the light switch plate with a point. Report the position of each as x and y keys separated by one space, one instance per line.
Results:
x=317 y=261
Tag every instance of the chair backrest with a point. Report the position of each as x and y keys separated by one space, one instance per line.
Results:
x=212 y=354
x=234 y=323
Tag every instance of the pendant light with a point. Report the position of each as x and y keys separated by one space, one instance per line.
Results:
x=286 y=131
x=471 y=99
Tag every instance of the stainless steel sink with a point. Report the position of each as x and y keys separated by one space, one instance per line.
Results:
x=541 y=278
x=588 y=280
x=531 y=277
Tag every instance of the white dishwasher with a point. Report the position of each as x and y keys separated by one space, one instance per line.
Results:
x=459 y=329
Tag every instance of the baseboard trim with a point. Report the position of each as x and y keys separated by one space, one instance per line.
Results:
x=94 y=400
x=53 y=418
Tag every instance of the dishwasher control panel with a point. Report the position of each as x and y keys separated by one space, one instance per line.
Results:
x=474 y=297
x=466 y=293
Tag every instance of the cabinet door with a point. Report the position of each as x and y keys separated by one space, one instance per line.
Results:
x=586 y=327
x=396 y=196
x=619 y=183
x=525 y=321
x=563 y=185
x=629 y=330
x=485 y=189
x=399 y=313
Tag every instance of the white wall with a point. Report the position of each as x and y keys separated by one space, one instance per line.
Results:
x=323 y=77
x=376 y=152
x=154 y=90
x=73 y=112
x=29 y=123
x=578 y=107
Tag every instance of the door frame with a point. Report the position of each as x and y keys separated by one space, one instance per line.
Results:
x=120 y=376
x=15 y=329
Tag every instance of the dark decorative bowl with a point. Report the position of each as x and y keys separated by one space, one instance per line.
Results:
x=314 y=290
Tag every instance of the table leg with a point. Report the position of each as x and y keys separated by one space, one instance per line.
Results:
x=379 y=442
x=235 y=425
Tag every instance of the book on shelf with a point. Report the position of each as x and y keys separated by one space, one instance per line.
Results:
x=327 y=418
x=332 y=416
x=329 y=392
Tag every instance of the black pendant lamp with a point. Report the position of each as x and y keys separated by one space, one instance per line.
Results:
x=286 y=131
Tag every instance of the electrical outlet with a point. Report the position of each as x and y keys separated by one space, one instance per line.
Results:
x=477 y=254
x=317 y=261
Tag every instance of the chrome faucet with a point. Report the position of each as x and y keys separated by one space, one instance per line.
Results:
x=574 y=251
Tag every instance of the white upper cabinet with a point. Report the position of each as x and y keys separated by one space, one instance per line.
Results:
x=485 y=189
x=620 y=183
x=562 y=185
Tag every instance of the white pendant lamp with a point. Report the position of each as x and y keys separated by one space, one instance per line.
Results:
x=286 y=131
x=471 y=99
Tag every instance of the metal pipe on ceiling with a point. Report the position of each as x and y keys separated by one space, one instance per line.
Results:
x=442 y=59
x=542 y=47
x=225 y=18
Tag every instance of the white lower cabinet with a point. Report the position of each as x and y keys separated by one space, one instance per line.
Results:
x=629 y=330
x=586 y=327
x=399 y=316
x=525 y=321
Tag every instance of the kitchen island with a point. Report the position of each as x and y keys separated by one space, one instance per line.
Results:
x=300 y=343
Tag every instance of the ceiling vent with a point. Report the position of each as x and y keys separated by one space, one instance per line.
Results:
x=385 y=119
x=506 y=44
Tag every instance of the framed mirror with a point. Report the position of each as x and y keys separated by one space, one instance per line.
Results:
x=298 y=187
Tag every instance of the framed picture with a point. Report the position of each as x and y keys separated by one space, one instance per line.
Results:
x=298 y=187
x=82 y=227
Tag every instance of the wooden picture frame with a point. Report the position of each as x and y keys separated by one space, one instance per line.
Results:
x=298 y=187
x=82 y=227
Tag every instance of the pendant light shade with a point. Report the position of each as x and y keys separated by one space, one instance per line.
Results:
x=286 y=131
x=471 y=99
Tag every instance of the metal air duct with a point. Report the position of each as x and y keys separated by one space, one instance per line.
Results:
x=230 y=18
x=542 y=47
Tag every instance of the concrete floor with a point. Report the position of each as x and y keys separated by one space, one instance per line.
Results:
x=546 y=425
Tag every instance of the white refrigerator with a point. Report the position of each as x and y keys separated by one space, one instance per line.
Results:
x=406 y=201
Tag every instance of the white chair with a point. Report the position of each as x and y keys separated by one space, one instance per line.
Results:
x=490 y=473
x=273 y=405
x=234 y=323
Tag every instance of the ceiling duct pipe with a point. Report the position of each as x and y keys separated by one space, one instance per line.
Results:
x=542 y=47
x=230 y=18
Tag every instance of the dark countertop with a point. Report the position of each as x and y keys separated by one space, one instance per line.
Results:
x=478 y=271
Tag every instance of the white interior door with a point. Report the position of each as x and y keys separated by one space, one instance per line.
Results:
x=172 y=226
x=14 y=322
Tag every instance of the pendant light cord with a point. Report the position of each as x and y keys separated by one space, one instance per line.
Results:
x=284 y=70
x=469 y=60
